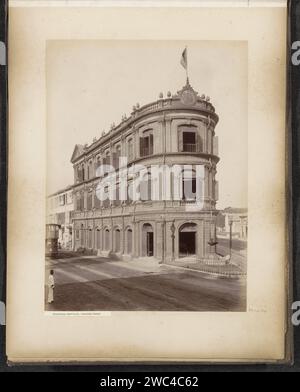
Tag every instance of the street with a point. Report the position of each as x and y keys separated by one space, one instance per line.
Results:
x=84 y=283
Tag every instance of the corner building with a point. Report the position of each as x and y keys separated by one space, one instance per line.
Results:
x=176 y=130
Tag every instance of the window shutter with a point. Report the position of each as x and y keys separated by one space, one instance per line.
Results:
x=151 y=144
x=141 y=146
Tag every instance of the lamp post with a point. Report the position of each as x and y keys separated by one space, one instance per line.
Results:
x=213 y=237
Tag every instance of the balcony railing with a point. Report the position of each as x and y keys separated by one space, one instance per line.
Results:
x=146 y=151
x=189 y=147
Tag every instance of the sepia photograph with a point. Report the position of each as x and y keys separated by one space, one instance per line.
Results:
x=147 y=183
x=147 y=175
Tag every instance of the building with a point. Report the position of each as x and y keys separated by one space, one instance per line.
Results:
x=237 y=218
x=60 y=209
x=176 y=130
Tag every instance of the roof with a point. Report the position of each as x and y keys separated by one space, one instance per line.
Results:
x=186 y=98
x=231 y=210
x=64 y=190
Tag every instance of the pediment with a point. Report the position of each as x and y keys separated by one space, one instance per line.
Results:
x=78 y=150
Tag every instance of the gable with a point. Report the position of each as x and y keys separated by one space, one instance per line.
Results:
x=78 y=150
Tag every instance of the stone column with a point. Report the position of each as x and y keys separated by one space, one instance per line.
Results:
x=170 y=241
x=160 y=241
x=122 y=238
x=136 y=143
x=137 y=239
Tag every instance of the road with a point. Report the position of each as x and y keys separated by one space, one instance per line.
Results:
x=99 y=284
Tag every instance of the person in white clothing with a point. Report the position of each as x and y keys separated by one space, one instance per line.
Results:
x=51 y=287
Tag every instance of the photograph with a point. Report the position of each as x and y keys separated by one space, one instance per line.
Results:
x=147 y=176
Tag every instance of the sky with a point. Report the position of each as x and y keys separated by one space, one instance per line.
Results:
x=91 y=84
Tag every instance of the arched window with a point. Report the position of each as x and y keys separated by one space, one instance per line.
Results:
x=79 y=174
x=106 y=161
x=116 y=157
x=90 y=170
x=83 y=172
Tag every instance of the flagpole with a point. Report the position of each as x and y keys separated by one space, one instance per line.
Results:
x=187 y=74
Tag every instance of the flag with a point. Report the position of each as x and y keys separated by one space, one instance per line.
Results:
x=183 y=60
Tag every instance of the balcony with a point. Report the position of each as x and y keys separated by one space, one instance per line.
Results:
x=189 y=147
x=146 y=151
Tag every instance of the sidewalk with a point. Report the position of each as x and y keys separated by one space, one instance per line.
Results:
x=226 y=270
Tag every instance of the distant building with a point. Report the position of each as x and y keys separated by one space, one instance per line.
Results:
x=60 y=209
x=238 y=218
x=176 y=130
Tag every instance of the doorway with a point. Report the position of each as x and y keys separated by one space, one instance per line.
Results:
x=147 y=241
x=187 y=240
x=150 y=244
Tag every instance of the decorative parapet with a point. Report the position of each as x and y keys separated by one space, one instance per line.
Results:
x=185 y=99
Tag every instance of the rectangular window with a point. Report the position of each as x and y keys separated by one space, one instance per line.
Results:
x=146 y=145
x=62 y=200
x=189 y=142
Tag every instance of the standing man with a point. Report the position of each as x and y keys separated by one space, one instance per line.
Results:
x=51 y=287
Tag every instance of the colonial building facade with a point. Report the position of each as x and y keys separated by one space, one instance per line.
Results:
x=176 y=130
x=60 y=209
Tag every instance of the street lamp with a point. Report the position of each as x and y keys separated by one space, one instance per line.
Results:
x=213 y=240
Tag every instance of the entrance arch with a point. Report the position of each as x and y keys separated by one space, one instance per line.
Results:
x=147 y=240
x=117 y=241
x=106 y=239
x=187 y=240
x=98 y=239
x=129 y=241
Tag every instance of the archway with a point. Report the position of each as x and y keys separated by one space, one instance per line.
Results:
x=187 y=240
x=117 y=241
x=148 y=240
x=129 y=241
x=98 y=242
x=106 y=239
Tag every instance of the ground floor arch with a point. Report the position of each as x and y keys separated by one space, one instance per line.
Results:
x=129 y=241
x=117 y=240
x=147 y=240
x=187 y=238
x=106 y=239
x=166 y=238
x=98 y=239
